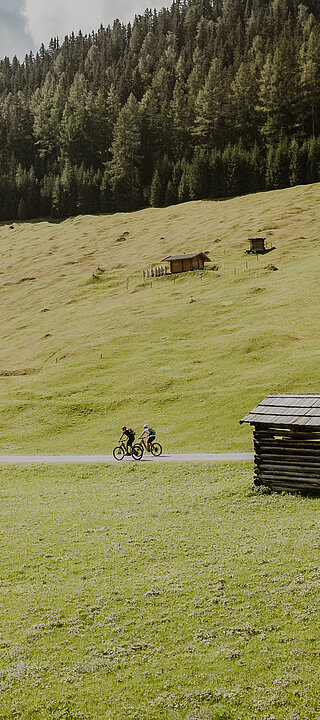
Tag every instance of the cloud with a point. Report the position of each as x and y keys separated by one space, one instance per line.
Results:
x=50 y=18
x=13 y=39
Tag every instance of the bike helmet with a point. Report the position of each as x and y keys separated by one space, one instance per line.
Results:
x=146 y=425
x=123 y=427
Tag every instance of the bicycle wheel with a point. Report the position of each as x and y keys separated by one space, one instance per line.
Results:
x=156 y=449
x=137 y=451
x=118 y=452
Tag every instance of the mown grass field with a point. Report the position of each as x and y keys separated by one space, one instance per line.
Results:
x=158 y=592
x=80 y=356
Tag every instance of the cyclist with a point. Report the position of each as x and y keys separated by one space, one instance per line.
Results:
x=130 y=435
x=149 y=434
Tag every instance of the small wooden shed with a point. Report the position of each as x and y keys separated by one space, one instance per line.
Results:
x=256 y=245
x=287 y=441
x=183 y=263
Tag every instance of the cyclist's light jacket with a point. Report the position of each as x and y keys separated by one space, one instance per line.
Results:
x=150 y=431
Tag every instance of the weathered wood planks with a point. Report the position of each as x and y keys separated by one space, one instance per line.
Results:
x=287 y=441
x=287 y=460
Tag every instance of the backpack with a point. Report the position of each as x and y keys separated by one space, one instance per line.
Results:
x=129 y=430
x=151 y=432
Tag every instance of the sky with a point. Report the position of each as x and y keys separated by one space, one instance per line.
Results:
x=26 y=24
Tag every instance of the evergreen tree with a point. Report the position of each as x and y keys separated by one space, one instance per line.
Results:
x=57 y=207
x=211 y=125
x=156 y=190
x=171 y=196
x=313 y=160
x=310 y=83
x=106 y=201
x=244 y=97
x=147 y=61
x=46 y=195
x=184 y=184
x=75 y=121
x=197 y=76
x=180 y=118
x=47 y=105
x=22 y=210
x=279 y=92
x=199 y=174
x=278 y=165
x=68 y=189
x=125 y=167
x=200 y=100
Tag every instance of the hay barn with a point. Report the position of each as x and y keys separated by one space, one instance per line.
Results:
x=184 y=263
x=257 y=246
x=286 y=441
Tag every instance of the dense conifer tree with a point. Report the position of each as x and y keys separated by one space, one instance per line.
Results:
x=125 y=166
x=208 y=98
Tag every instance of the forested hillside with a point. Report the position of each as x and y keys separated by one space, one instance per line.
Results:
x=207 y=99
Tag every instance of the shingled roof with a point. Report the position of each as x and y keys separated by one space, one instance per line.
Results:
x=286 y=409
x=187 y=257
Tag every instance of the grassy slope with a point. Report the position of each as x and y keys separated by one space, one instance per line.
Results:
x=100 y=354
x=156 y=593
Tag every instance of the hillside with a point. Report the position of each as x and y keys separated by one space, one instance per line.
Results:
x=80 y=355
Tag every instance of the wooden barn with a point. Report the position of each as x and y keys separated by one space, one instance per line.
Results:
x=257 y=245
x=184 y=263
x=287 y=441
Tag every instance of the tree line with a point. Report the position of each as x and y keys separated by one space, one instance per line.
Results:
x=207 y=99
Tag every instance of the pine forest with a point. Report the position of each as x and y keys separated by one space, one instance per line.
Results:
x=207 y=99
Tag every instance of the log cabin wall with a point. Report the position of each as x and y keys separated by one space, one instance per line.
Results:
x=184 y=263
x=287 y=458
x=257 y=245
x=197 y=263
x=181 y=265
x=176 y=266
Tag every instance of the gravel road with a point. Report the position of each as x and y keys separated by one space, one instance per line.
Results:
x=108 y=459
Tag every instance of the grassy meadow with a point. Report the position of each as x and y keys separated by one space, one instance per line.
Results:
x=156 y=592
x=86 y=346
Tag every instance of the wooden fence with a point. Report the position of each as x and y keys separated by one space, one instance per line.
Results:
x=158 y=271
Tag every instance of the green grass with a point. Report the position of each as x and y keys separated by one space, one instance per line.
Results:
x=79 y=357
x=156 y=593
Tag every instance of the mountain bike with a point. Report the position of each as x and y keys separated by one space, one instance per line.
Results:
x=136 y=451
x=155 y=447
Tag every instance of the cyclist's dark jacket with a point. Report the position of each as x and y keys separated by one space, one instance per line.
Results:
x=130 y=434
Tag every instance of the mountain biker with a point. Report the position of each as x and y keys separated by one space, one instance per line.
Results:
x=130 y=435
x=149 y=434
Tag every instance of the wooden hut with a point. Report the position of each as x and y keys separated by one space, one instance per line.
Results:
x=287 y=441
x=256 y=245
x=183 y=263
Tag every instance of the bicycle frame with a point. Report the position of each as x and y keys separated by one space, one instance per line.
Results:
x=127 y=449
x=145 y=442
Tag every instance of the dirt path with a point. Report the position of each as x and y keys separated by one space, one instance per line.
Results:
x=108 y=459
